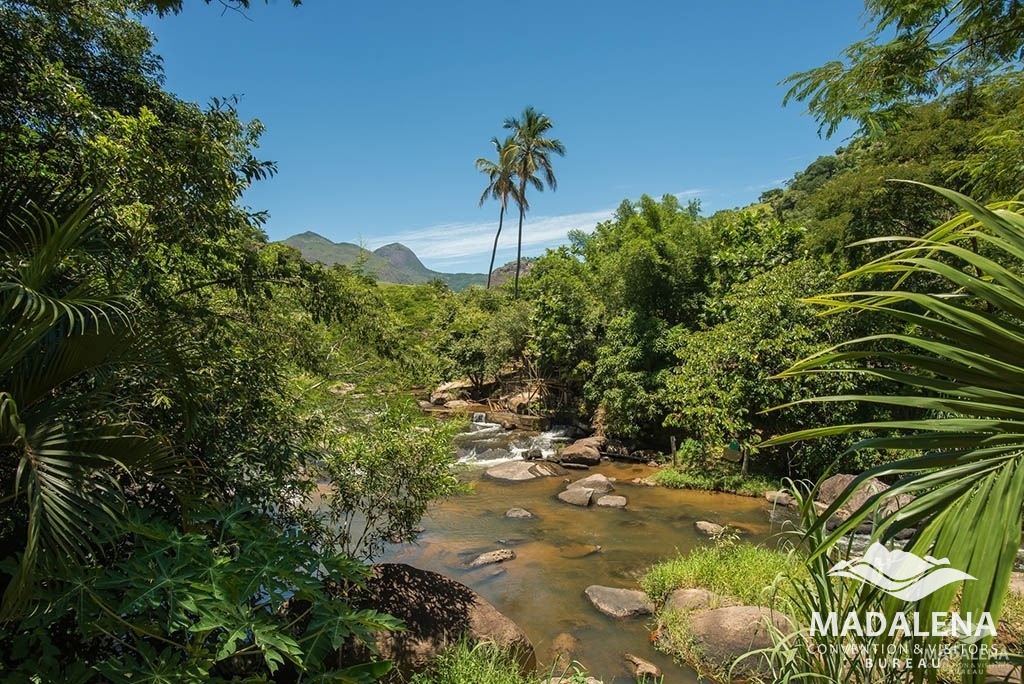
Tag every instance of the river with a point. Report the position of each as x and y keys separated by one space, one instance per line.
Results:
x=564 y=548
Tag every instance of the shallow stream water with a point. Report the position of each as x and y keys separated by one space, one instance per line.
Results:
x=564 y=549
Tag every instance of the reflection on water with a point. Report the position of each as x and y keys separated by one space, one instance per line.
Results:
x=557 y=555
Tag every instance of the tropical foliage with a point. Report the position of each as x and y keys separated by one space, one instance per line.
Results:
x=956 y=358
x=914 y=51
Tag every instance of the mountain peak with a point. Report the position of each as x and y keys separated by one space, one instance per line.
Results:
x=392 y=263
x=401 y=256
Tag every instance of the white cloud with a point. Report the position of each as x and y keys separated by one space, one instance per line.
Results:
x=454 y=243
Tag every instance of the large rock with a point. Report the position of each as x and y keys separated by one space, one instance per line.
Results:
x=499 y=556
x=518 y=471
x=691 y=599
x=586 y=451
x=620 y=603
x=437 y=612
x=779 y=498
x=723 y=635
x=708 y=528
x=598 y=482
x=834 y=486
x=577 y=496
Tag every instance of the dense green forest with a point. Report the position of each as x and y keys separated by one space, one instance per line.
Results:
x=173 y=387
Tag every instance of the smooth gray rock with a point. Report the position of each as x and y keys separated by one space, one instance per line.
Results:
x=577 y=496
x=612 y=501
x=586 y=451
x=519 y=471
x=598 y=482
x=779 y=498
x=620 y=603
x=518 y=513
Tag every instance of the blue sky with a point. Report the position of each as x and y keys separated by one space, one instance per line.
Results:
x=376 y=111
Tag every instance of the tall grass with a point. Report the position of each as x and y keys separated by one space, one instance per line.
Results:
x=487 y=663
x=743 y=571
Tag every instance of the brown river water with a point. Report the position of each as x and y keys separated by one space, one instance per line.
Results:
x=557 y=555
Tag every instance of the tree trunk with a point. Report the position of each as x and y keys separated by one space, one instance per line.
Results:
x=501 y=217
x=519 y=243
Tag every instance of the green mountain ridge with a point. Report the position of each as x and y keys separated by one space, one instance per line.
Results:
x=392 y=263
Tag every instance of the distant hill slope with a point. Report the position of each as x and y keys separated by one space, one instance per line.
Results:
x=393 y=263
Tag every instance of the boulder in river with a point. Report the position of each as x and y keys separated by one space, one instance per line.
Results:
x=518 y=513
x=779 y=498
x=620 y=603
x=437 y=612
x=577 y=496
x=598 y=482
x=586 y=451
x=499 y=556
x=708 y=528
x=723 y=635
x=612 y=501
x=518 y=471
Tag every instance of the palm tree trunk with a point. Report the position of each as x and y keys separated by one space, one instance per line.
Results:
x=519 y=254
x=501 y=217
x=519 y=242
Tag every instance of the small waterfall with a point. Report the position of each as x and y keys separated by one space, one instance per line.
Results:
x=486 y=444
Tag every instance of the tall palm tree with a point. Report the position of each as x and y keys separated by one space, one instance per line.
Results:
x=532 y=155
x=501 y=186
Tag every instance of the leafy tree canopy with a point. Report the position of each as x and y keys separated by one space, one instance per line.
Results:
x=916 y=49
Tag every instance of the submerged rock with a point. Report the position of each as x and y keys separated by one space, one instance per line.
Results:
x=519 y=471
x=499 y=556
x=643 y=670
x=708 y=528
x=518 y=513
x=620 y=603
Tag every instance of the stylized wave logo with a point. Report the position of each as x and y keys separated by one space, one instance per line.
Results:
x=899 y=573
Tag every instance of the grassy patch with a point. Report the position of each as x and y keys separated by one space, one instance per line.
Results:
x=487 y=663
x=733 y=483
x=742 y=571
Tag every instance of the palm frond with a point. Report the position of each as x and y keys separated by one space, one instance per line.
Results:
x=959 y=357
